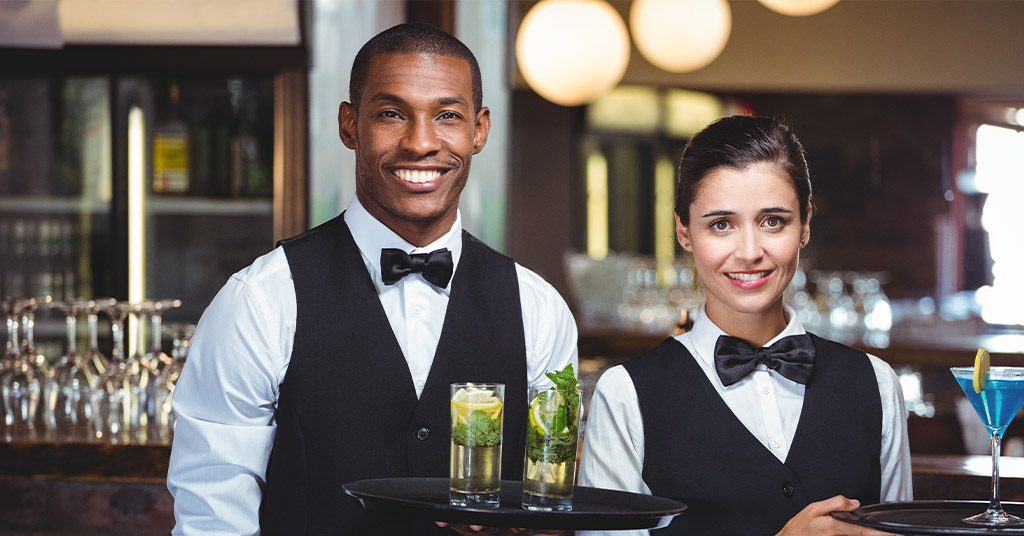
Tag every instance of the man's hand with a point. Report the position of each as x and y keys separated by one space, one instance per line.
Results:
x=480 y=530
x=814 y=520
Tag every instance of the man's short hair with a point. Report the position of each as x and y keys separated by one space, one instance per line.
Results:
x=412 y=38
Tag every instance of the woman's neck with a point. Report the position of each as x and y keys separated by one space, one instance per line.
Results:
x=754 y=328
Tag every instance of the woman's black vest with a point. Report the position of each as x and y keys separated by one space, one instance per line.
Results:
x=697 y=451
x=347 y=408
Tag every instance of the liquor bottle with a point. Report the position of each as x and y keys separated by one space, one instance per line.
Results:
x=213 y=151
x=250 y=172
x=171 y=150
x=5 y=146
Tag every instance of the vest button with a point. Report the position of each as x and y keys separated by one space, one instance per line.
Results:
x=788 y=490
x=423 y=433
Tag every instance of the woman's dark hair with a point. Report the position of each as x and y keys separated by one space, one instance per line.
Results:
x=738 y=142
x=412 y=38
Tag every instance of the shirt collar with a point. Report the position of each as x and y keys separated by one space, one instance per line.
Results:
x=705 y=333
x=371 y=236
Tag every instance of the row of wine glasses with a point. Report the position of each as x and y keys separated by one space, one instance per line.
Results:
x=89 y=396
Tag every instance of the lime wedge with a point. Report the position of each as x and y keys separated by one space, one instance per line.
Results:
x=981 y=364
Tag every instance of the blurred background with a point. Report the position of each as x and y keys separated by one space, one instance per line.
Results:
x=150 y=149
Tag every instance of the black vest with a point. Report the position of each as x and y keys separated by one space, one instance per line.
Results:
x=698 y=452
x=347 y=408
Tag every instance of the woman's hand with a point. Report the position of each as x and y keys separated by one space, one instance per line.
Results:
x=480 y=530
x=814 y=520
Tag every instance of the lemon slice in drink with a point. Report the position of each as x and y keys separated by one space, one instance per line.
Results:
x=543 y=410
x=466 y=402
x=981 y=364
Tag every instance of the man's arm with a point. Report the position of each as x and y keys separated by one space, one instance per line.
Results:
x=224 y=403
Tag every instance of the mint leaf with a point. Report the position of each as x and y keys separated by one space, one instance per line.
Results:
x=559 y=445
x=480 y=431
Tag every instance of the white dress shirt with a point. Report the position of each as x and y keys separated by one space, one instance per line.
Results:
x=227 y=394
x=768 y=405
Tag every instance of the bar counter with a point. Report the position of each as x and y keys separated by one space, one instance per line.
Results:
x=87 y=488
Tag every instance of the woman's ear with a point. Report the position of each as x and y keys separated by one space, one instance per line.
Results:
x=683 y=234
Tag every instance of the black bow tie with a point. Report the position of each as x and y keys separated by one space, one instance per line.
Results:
x=792 y=357
x=436 y=266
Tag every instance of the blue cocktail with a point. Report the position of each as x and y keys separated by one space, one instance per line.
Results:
x=1000 y=397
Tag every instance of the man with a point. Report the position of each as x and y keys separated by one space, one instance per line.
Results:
x=327 y=360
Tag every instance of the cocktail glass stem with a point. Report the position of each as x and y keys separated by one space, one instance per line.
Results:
x=994 y=504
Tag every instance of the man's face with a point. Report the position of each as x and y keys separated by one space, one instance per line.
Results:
x=414 y=135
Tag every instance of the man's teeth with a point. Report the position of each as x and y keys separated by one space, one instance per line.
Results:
x=417 y=176
x=748 y=276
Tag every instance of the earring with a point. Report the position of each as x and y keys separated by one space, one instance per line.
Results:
x=803 y=242
x=687 y=244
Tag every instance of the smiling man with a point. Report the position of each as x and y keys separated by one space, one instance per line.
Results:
x=329 y=359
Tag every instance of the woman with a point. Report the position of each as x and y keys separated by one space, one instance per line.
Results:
x=781 y=427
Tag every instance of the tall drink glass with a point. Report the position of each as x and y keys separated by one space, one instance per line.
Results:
x=996 y=404
x=552 y=433
x=475 y=468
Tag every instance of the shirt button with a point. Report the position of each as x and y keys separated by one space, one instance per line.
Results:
x=417 y=310
x=423 y=433
x=788 y=490
x=776 y=443
x=766 y=390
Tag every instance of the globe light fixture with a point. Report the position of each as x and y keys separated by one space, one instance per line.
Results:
x=680 y=35
x=798 y=8
x=572 y=51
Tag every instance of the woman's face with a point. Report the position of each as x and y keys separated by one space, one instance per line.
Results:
x=745 y=234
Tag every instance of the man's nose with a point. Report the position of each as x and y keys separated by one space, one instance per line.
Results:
x=421 y=137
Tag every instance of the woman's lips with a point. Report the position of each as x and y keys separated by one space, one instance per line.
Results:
x=749 y=280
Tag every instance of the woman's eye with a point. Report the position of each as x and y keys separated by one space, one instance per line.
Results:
x=720 y=225
x=773 y=222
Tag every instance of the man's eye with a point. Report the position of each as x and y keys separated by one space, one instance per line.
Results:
x=388 y=114
x=449 y=116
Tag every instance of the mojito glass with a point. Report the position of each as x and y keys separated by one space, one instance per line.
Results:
x=475 y=468
x=551 y=438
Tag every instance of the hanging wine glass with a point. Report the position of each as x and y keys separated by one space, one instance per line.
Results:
x=72 y=382
x=11 y=356
x=182 y=334
x=97 y=362
x=143 y=371
x=156 y=358
x=23 y=383
x=116 y=402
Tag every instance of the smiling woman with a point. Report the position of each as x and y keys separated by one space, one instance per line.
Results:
x=711 y=417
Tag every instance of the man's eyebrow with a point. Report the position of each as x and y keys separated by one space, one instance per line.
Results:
x=388 y=97
x=391 y=97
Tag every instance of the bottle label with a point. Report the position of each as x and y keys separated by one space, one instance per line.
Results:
x=170 y=163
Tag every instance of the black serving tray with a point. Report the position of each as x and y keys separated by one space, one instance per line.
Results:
x=928 y=517
x=593 y=508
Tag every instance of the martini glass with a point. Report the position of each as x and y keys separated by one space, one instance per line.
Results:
x=995 y=405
